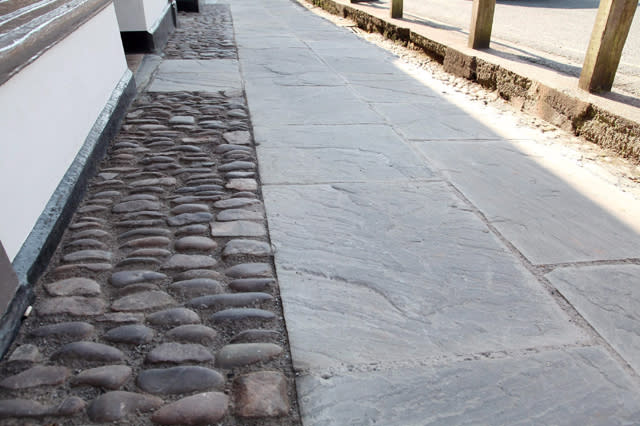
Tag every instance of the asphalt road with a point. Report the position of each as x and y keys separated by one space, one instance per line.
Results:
x=554 y=32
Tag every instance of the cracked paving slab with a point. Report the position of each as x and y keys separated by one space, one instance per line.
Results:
x=609 y=298
x=384 y=157
x=552 y=212
x=403 y=271
x=197 y=75
x=577 y=386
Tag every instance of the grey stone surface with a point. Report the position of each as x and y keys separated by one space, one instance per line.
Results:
x=229 y=300
x=192 y=333
x=197 y=243
x=73 y=287
x=255 y=336
x=242 y=184
x=341 y=151
x=579 y=386
x=177 y=380
x=124 y=278
x=251 y=284
x=307 y=106
x=26 y=353
x=196 y=75
x=142 y=301
x=173 y=317
x=199 y=409
x=20 y=407
x=73 y=305
x=233 y=203
x=247 y=247
x=88 y=255
x=189 y=261
x=136 y=334
x=36 y=376
x=240 y=214
x=115 y=405
x=88 y=351
x=238 y=228
x=189 y=218
x=446 y=121
x=196 y=287
x=541 y=213
x=239 y=137
x=73 y=329
x=239 y=354
x=608 y=297
x=239 y=314
x=109 y=377
x=404 y=271
x=245 y=270
x=179 y=353
x=147 y=242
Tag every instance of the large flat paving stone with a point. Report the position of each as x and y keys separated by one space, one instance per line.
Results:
x=277 y=106
x=292 y=155
x=432 y=119
x=280 y=61
x=575 y=387
x=403 y=271
x=196 y=75
x=608 y=297
x=542 y=212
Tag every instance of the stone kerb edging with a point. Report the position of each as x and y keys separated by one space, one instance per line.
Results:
x=31 y=28
x=592 y=122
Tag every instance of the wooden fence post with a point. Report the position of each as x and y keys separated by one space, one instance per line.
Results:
x=607 y=40
x=481 y=23
x=396 y=9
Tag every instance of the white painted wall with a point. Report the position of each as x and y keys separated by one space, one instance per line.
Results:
x=139 y=15
x=46 y=113
x=153 y=11
x=130 y=15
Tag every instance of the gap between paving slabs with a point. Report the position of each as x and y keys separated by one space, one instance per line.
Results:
x=161 y=304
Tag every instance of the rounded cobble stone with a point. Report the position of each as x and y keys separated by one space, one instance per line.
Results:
x=200 y=409
x=177 y=380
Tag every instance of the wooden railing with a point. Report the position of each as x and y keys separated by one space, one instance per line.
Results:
x=605 y=48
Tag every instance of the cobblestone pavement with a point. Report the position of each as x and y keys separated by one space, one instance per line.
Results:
x=204 y=35
x=160 y=305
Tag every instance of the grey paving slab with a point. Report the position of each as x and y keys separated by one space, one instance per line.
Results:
x=307 y=106
x=354 y=63
x=544 y=216
x=573 y=387
x=298 y=67
x=250 y=41
x=197 y=75
x=434 y=119
x=351 y=136
x=395 y=90
x=608 y=297
x=372 y=272
x=347 y=153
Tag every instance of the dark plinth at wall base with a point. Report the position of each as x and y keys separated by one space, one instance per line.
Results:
x=189 y=5
x=14 y=299
x=37 y=250
x=152 y=41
